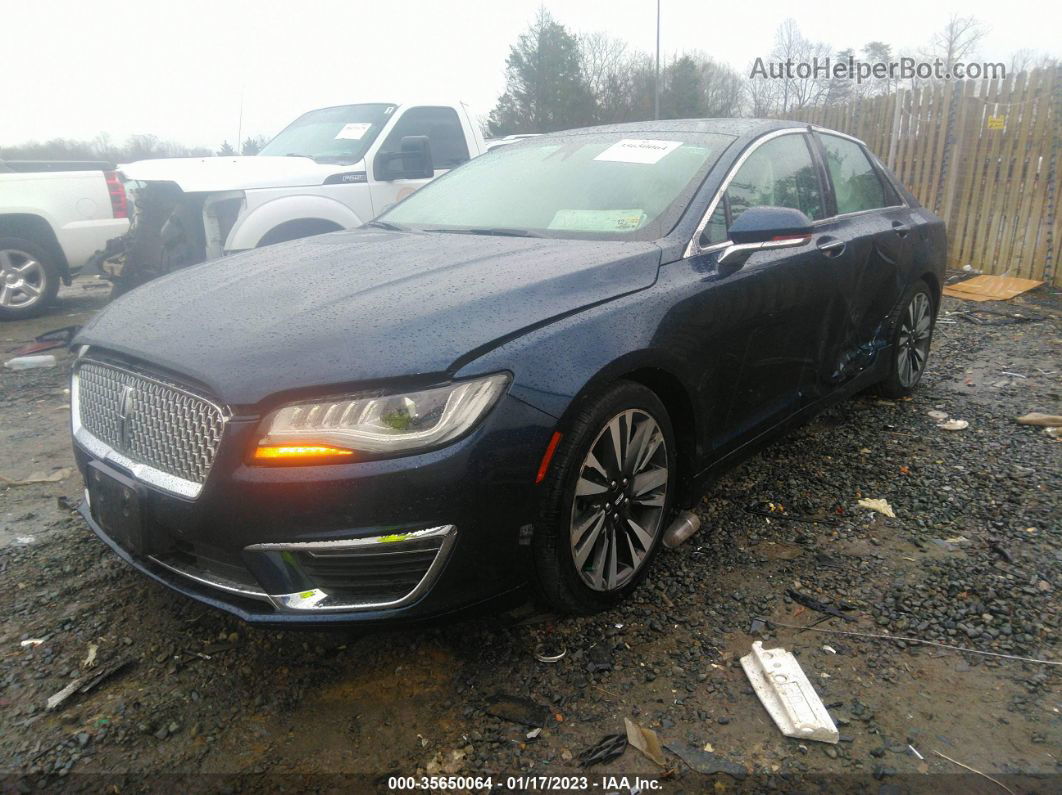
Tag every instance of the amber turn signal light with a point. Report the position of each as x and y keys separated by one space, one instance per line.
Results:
x=299 y=454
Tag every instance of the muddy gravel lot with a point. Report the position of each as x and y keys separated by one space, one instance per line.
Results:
x=973 y=558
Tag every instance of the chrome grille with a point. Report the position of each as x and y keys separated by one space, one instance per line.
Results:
x=148 y=420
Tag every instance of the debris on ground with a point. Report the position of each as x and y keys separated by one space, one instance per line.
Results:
x=881 y=506
x=975 y=770
x=990 y=288
x=49 y=341
x=518 y=710
x=86 y=684
x=704 y=761
x=550 y=651
x=608 y=748
x=954 y=425
x=31 y=643
x=787 y=695
x=39 y=477
x=646 y=741
x=31 y=362
x=937 y=415
x=818 y=606
x=1036 y=418
x=90 y=656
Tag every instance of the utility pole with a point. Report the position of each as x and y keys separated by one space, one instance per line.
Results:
x=656 y=82
x=239 y=127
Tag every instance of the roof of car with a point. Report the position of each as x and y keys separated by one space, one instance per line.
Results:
x=735 y=127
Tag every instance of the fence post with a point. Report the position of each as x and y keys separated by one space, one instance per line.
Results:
x=1052 y=178
x=945 y=180
x=895 y=135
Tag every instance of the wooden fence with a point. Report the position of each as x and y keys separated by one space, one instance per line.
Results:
x=982 y=154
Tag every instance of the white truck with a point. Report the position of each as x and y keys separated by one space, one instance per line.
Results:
x=332 y=168
x=54 y=215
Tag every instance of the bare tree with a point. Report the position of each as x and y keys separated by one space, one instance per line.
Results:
x=957 y=40
x=601 y=56
x=795 y=51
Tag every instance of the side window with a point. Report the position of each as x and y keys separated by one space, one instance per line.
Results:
x=780 y=173
x=443 y=128
x=855 y=182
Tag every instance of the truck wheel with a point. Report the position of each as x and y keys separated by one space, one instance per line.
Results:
x=28 y=279
x=606 y=501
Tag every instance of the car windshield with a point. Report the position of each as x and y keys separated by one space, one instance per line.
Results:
x=585 y=185
x=335 y=135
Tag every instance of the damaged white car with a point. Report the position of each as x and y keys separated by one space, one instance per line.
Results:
x=332 y=168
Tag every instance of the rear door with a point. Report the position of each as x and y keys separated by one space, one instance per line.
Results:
x=777 y=299
x=446 y=137
x=870 y=231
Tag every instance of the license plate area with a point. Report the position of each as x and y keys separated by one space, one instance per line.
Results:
x=116 y=503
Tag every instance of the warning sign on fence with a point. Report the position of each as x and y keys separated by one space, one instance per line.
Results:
x=996 y=122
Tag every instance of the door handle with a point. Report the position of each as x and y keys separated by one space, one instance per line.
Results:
x=901 y=229
x=830 y=246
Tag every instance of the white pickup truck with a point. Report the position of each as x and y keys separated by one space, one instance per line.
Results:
x=332 y=168
x=54 y=216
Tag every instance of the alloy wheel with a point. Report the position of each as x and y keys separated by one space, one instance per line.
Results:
x=22 y=279
x=912 y=345
x=618 y=509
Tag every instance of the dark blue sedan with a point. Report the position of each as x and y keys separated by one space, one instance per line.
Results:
x=521 y=374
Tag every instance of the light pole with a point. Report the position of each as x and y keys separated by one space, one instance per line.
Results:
x=656 y=81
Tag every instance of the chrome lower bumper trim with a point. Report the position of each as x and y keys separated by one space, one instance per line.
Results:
x=318 y=600
x=206 y=578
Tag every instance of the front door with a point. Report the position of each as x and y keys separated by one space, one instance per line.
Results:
x=776 y=299
x=449 y=148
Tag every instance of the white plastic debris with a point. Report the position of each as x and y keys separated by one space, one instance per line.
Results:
x=954 y=425
x=939 y=416
x=30 y=362
x=787 y=695
x=881 y=506
x=31 y=643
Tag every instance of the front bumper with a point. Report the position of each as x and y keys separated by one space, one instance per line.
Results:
x=370 y=541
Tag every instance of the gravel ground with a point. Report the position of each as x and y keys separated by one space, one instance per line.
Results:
x=973 y=559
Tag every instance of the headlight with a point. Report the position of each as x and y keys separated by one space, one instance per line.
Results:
x=338 y=428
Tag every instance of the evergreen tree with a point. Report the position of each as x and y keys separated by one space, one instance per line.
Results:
x=546 y=89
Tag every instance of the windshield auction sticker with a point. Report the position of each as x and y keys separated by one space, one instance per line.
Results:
x=353 y=131
x=638 y=150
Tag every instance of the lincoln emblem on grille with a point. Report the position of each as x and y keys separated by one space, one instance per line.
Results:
x=125 y=412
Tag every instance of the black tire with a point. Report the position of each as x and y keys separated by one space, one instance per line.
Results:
x=559 y=581
x=17 y=253
x=900 y=382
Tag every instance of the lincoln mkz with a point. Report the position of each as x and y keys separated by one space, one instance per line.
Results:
x=517 y=377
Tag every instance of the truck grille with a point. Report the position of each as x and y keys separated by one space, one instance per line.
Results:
x=148 y=421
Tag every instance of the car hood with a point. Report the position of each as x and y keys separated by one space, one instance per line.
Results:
x=360 y=307
x=212 y=174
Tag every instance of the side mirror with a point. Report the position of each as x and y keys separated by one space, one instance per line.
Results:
x=412 y=161
x=760 y=228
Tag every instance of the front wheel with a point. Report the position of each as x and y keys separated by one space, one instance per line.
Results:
x=606 y=501
x=911 y=339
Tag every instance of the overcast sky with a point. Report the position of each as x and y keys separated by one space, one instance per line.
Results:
x=177 y=69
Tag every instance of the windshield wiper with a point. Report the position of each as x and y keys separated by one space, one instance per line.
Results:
x=499 y=231
x=388 y=225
